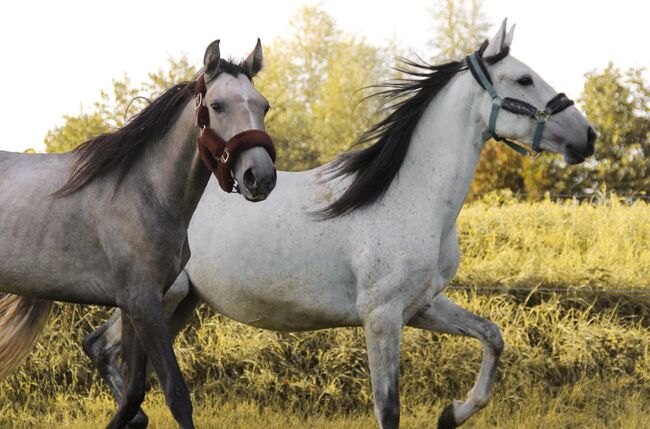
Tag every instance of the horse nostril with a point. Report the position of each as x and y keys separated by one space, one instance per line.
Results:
x=249 y=178
x=591 y=136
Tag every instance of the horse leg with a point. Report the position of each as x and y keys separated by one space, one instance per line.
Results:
x=135 y=361
x=383 y=333
x=148 y=318
x=445 y=316
x=102 y=345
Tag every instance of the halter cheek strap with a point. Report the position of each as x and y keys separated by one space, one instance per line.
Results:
x=217 y=154
x=513 y=105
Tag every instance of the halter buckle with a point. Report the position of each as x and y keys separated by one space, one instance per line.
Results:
x=542 y=115
x=225 y=156
x=198 y=101
x=533 y=154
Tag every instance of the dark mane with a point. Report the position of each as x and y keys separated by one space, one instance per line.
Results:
x=375 y=167
x=116 y=151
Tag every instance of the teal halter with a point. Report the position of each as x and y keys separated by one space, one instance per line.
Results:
x=513 y=105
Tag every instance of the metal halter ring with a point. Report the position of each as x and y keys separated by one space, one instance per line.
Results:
x=198 y=101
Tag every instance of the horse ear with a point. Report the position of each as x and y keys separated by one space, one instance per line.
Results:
x=511 y=34
x=497 y=42
x=211 y=59
x=255 y=60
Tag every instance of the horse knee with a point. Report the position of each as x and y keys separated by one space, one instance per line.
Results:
x=493 y=337
x=100 y=346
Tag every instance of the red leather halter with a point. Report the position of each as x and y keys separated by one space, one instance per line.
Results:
x=217 y=154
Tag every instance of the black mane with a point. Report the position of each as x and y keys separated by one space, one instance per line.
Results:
x=375 y=167
x=118 y=149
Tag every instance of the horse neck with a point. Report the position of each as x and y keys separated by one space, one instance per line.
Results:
x=444 y=151
x=173 y=169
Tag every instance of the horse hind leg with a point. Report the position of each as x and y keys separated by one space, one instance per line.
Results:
x=445 y=316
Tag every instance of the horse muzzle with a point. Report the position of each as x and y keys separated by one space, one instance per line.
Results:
x=219 y=157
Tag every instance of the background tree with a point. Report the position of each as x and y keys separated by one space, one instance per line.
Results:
x=617 y=104
x=112 y=110
x=460 y=26
x=313 y=76
x=312 y=79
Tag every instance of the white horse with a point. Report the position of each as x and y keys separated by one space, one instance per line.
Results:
x=382 y=246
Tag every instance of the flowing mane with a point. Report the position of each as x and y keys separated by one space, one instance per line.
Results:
x=404 y=101
x=375 y=167
x=116 y=151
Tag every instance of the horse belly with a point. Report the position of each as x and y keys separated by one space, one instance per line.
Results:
x=287 y=303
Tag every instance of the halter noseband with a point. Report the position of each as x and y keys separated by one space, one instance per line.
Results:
x=217 y=154
x=513 y=105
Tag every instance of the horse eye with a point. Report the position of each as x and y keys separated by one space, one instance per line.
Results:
x=218 y=107
x=525 y=80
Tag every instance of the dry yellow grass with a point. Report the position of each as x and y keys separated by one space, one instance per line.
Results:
x=568 y=244
x=570 y=361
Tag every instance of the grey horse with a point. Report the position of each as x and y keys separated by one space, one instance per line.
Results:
x=115 y=233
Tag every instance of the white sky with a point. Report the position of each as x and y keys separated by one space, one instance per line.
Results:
x=57 y=55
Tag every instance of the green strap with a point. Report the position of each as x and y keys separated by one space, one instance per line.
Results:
x=514 y=146
x=542 y=116
x=492 y=125
x=496 y=107
x=485 y=82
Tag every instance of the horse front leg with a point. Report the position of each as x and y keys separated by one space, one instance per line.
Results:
x=144 y=309
x=103 y=345
x=383 y=329
x=443 y=315
x=131 y=396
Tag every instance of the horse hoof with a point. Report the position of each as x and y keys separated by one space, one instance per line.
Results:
x=447 y=419
x=140 y=421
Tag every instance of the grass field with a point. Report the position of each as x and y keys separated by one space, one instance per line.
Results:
x=572 y=360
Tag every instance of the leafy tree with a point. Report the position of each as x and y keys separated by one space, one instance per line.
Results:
x=617 y=104
x=312 y=80
x=113 y=110
x=461 y=26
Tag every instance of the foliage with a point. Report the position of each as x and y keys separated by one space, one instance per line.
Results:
x=618 y=105
x=312 y=80
x=113 y=110
x=461 y=26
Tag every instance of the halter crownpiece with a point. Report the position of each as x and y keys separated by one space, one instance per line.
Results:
x=513 y=105
x=217 y=154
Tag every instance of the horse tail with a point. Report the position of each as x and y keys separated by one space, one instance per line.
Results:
x=21 y=321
